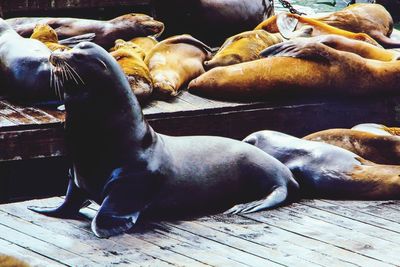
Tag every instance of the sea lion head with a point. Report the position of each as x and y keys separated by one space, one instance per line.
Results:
x=88 y=73
x=144 y=24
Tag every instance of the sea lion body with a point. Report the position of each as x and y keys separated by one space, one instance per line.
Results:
x=245 y=46
x=131 y=59
x=212 y=21
x=24 y=67
x=327 y=171
x=300 y=67
x=129 y=169
x=123 y=27
x=48 y=36
x=175 y=61
x=146 y=43
x=376 y=148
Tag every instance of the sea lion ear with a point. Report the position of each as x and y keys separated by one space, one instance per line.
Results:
x=286 y=24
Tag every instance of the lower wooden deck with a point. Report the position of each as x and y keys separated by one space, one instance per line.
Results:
x=308 y=233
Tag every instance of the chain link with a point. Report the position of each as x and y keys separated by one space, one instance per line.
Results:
x=289 y=6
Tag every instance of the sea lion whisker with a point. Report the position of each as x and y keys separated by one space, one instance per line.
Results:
x=72 y=69
x=71 y=74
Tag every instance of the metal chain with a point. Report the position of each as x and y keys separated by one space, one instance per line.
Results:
x=289 y=6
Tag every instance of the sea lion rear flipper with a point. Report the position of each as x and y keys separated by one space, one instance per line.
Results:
x=75 y=199
x=72 y=41
x=299 y=48
x=126 y=195
x=274 y=199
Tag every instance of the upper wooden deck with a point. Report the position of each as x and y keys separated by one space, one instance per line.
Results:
x=31 y=132
x=309 y=233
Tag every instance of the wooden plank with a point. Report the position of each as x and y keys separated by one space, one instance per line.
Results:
x=64 y=242
x=35 y=114
x=299 y=248
x=34 y=259
x=330 y=234
x=347 y=212
x=380 y=209
x=347 y=223
x=127 y=247
x=265 y=252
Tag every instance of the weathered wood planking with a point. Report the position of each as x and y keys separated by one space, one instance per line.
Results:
x=30 y=133
x=308 y=233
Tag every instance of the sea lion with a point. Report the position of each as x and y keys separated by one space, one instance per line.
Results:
x=378 y=129
x=175 y=61
x=131 y=59
x=287 y=23
x=300 y=67
x=120 y=162
x=245 y=46
x=212 y=21
x=328 y=171
x=9 y=261
x=377 y=148
x=24 y=67
x=48 y=36
x=370 y=19
x=123 y=27
x=146 y=43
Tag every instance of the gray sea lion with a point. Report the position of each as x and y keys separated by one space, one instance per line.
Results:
x=121 y=163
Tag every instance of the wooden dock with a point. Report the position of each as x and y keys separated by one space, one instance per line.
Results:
x=308 y=233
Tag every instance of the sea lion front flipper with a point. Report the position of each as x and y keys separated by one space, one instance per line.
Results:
x=286 y=24
x=75 y=199
x=126 y=195
x=274 y=199
x=72 y=41
x=300 y=48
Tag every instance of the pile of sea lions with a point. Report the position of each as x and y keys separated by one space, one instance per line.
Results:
x=133 y=172
x=348 y=52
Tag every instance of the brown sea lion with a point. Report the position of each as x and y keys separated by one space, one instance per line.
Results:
x=212 y=21
x=146 y=43
x=121 y=163
x=377 y=148
x=327 y=171
x=300 y=67
x=48 y=36
x=245 y=46
x=176 y=61
x=9 y=261
x=123 y=27
x=288 y=23
x=131 y=59
x=378 y=129
x=370 y=19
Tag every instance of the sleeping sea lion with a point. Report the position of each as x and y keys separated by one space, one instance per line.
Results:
x=24 y=67
x=48 y=36
x=302 y=66
x=245 y=46
x=328 y=171
x=120 y=162
x=131 y=59
x=377 y=148
x=176 y=61
x=370 y=19
x=123 y=27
